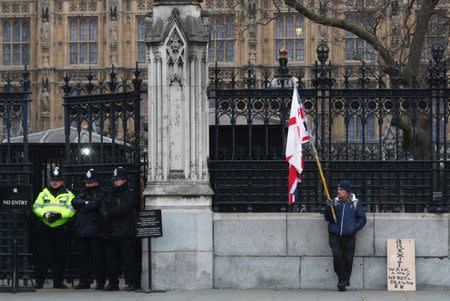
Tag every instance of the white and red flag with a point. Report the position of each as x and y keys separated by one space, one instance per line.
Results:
x=297 y=135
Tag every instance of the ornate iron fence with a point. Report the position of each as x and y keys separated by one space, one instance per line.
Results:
x=102 y=131
x=15 y=169
x=102 y=127
x=390 y=140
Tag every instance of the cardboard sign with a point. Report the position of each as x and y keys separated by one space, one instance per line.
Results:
x=401 y=265
x=149 y=224
x=17 y=197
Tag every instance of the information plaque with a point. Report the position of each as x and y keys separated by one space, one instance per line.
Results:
x=149 y=224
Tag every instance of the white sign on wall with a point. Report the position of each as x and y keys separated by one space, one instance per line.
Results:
x=401 y=265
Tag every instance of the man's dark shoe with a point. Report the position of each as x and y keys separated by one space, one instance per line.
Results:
x=39 y=284
x=59 y=285
x=130 y=288
x=100 y=286
x=82 y=285
x=110 y=288
x=346 y=283
x=341 y=286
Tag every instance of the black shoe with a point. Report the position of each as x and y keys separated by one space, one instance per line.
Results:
x=341 y=286
x=130 y=288
x=59 y=285
x=39 y=284
x=346 y=283
x=100 y=286
x=110 y=288
x=82 y=285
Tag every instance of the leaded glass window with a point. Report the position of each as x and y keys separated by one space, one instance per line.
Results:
x=357 y=49
x=221 y=46
x=290 y=34
x=15 y=41
x=141 y=39
x=83 y=40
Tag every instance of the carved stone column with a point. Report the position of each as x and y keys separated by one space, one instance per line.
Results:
x=178 y=181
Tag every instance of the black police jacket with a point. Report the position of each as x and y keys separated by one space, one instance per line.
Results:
x=119 y=212
x=87 y=217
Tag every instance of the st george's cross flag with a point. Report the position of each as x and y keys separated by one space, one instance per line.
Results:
x=297 y=135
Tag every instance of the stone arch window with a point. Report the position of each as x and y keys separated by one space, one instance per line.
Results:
x=15 y=41
x=290 y=34
x=222 y=38
x=83 y=40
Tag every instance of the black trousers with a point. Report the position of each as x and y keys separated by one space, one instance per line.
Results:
x=51 y=252
x=92 y=255
x=121 y=251
x=343 y=248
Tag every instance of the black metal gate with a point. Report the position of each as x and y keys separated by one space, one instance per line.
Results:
x=390 y=140
x=102 y=131
x=102 y=128
x=15 y=169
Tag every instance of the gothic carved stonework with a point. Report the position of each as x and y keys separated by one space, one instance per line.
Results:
x=157 y=58
x=175 y=78
x=175 y=48
x=16 y=8
x=193 y=57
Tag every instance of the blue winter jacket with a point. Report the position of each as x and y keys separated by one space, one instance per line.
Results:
x=351 y=217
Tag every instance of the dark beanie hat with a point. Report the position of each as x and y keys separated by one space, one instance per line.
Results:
x=344 y=184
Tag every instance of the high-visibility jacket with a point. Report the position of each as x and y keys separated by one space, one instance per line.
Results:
x=62 y=203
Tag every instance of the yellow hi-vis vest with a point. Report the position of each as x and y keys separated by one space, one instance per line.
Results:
x=62 y=203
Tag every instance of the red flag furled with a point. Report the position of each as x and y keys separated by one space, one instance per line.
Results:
x=297 y=135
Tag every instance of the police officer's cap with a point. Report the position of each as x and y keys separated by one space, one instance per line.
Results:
x=91 y=176
x=120 y=173
x=56 y=174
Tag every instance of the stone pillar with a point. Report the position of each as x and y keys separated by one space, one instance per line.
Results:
x=178 y=184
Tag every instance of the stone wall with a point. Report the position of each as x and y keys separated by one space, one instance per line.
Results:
x=288 y=250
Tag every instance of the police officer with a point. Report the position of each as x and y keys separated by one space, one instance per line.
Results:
x=53 y=207
x=87 y=229
x=119 y=213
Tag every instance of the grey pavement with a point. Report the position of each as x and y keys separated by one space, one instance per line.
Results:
x=437 y=294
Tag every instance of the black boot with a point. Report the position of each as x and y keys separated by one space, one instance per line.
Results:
x=82 y=285
x=39 y=283
x=59 y=285
x=100 y=285
x=111 y=287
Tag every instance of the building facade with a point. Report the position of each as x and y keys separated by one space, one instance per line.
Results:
x=52 y=37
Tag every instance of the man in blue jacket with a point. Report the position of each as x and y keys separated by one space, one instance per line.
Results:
x=351 y=217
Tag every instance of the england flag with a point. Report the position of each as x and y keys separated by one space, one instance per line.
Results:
x=297 y=135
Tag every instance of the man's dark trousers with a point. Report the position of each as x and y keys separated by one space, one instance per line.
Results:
x=121 y=251
x=52 y=250
x=92 y=251
x=343 y=248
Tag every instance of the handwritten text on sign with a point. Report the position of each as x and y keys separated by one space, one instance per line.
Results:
x=401 y=265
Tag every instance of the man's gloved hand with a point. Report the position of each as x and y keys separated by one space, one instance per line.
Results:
x=54 y=216
x=330 y=203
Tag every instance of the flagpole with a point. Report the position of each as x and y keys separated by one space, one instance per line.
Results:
x=322 y=177
x=319 y=166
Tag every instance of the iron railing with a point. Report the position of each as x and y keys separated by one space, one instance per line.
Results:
x=15 y=169
x=390 y=140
